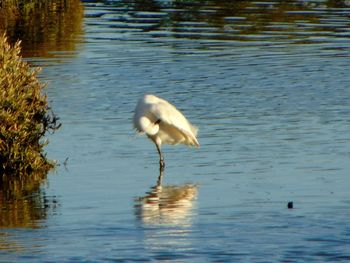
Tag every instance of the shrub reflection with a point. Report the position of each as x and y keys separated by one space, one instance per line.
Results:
x=23 y=203
x=43 y=26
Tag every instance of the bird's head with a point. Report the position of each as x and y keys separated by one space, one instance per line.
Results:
x=149 y=127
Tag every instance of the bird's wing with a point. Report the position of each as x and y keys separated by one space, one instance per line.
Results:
x=167 y=113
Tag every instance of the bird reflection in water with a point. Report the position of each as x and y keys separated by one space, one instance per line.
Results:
x=167 y=204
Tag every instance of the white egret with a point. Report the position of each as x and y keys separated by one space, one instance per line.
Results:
x=163 y=123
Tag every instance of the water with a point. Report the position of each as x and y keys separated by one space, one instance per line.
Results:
x=267 y=84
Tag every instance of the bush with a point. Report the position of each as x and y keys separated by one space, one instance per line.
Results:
x=25 y=117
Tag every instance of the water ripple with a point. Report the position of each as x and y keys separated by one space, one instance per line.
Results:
x=296 y=23
x=267 y=82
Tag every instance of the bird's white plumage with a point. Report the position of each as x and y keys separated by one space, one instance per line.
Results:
x=163 y=123
x=157 y=117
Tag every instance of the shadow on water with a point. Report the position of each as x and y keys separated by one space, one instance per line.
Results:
x=169 y=205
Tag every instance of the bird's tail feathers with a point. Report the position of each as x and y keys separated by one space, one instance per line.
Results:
x=194 y=129
x=194 y=140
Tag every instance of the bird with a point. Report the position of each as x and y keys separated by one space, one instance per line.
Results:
x=163 y=123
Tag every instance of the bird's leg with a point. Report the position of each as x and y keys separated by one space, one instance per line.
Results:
x=161 y=158
x=160 y=177
x=161 y=163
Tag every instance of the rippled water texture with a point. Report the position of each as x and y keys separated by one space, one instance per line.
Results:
x=268 y=85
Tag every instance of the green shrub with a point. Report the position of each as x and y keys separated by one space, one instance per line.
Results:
x=25 y=117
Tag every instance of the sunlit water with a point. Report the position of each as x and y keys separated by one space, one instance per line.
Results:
x=273 y=107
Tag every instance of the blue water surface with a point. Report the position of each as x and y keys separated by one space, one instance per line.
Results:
x=272 y=107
